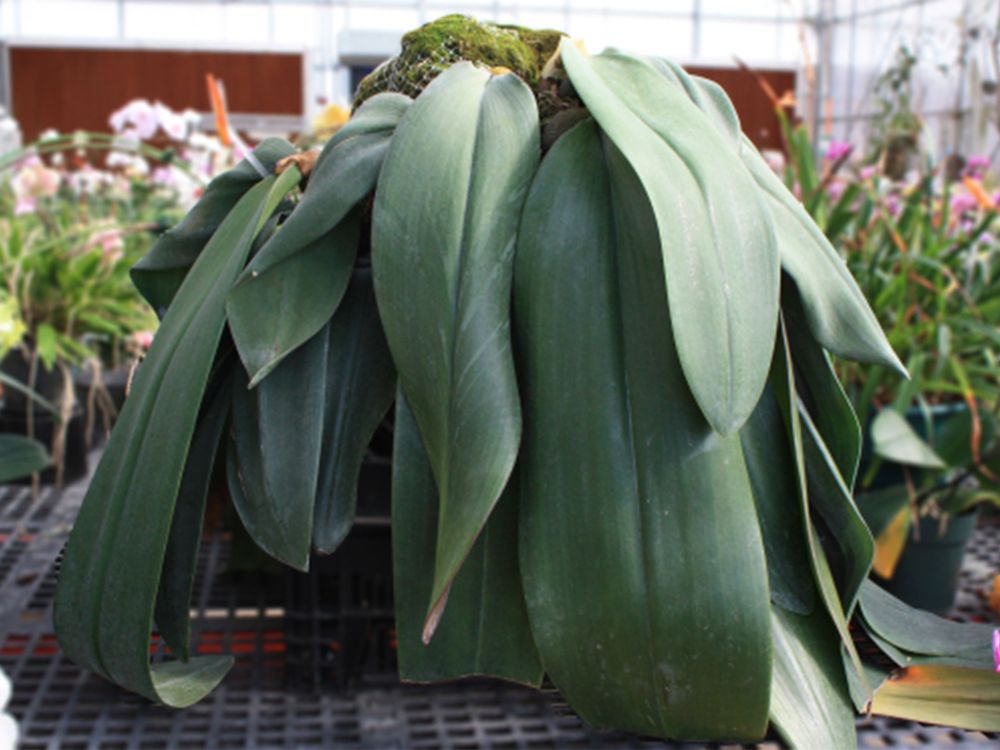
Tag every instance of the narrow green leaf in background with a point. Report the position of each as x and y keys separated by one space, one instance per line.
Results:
x=20 y=456
x=894 y=439
x=722 y=284
x=442 y=259
x=484 y=630
x=113 y=561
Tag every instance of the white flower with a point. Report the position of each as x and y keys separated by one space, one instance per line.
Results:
x=140 y=115
x=49 y=135
x=173 y=124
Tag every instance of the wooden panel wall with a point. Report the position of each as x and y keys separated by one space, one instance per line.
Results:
x=71 y=89
x=753 y=106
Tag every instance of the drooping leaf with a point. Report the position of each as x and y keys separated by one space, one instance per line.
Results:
x=820 y=389
x=921 y=634
x=771 y=466
x=173 y=608
x=641 y=555
x=442 y=259
x=809 y=698
x=894 y=439
x=159 y=274
x=113 y=561
x=890 y=541
x=484 y=630
x=275 y=449
x=20 y=456
x=360 y=385
x=954 y=696
x=722 y=282
x=293 y=285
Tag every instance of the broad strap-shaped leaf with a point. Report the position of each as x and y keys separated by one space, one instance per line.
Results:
x=159 y=274
x=173 y=608
x=293 y=285
x=276 y=443
x=771 y=466
x=708 y=95
x=445 y=219
x=719 y=252
x=810 y=706
x=641 y=555
x=114 y=558
x=360 y=386
x=894 y=439
x=820 y=389
x=20 y=456
x=954 y=696
x=921 y=634
x=484 y=630
x=836 y=309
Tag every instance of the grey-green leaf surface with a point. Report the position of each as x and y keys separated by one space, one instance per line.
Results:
x=159 y=274
x=360 y=385
x=484 y=630
x=292 y=286
x=173 y=601
x=641 y=555
x=810 y=706
x=771 y=466
x=20 y=456
x=275 y=449
x=923 y=634
x=446 y=214
x=113 y=561
x=894 y=439
x=820 y=389
x=719 y=252
x=837 y=311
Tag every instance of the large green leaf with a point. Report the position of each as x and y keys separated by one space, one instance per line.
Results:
x=173 y=602
x=809 y=699
x=20 y=456
x=954 y=696
x=641 y=555
x=718 y=246
x=360 y=385
x=894 y=439
x=113 y=561
x=275 y=449
x=159 y=274
x=485 y=629
x=443 y=229
x=292 y=286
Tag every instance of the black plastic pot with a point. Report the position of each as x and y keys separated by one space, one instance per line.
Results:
x=927 y=574
x=75 y=456
x=47 y=384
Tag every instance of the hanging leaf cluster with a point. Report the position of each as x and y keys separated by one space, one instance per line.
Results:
x=621 y=456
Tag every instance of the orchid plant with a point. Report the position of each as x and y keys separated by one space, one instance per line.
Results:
x=622 y=458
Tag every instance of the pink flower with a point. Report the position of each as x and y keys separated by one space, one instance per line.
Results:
x=140 y=115
x=976 y=166
x=143 y=339
x=866 y=173
x=996 y=650
x=835 y=190
x=173 y=124
x=838 y=150
x=893 y=204
x=110 y=240
x=962 y=203
x=164 y=176
x=32 y=181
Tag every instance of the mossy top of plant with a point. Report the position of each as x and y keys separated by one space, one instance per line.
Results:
x=431 y=49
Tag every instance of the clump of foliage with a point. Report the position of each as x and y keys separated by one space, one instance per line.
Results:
x=621 y=458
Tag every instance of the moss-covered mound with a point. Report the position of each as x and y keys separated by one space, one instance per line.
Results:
x=432 y=48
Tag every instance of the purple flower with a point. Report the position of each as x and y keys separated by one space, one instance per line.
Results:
x=835 y=190
x=996 y=650
x=962 y=203
x=837 y=150
x=893 y=204
x=976 y=166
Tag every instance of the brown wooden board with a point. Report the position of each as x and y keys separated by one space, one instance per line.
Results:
x=78 y=88
x=756 y=112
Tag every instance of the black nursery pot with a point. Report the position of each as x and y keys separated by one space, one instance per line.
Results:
x=927 y=574
x=47 y=384
x=75 y=457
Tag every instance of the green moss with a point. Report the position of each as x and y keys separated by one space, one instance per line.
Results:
x=429 y=50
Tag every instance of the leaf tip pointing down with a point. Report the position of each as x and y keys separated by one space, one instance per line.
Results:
x=434 y=617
